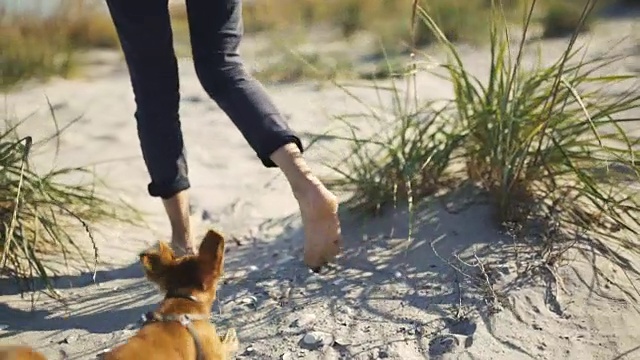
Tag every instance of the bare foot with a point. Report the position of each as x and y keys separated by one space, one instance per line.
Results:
x=177 y=209
x=319 y=212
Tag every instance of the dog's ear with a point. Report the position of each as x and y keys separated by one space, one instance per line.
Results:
x=211 y=257
x=155 y=262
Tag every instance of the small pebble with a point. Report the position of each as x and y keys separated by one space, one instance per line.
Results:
x=317 y=338
x=206 y=215
x=68 y=340
x=249 y=350
x=249 y=300
x=340 y=341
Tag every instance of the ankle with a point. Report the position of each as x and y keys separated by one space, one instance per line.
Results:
x=304 y=184
x=181 y=242
x=290 y=161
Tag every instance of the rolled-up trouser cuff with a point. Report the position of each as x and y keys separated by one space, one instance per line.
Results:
x=276 y=143
x=166 y=191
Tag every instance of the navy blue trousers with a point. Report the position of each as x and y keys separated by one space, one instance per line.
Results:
x=215 y=27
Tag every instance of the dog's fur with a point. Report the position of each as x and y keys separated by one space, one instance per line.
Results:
x=17 y=352
x=193 y=275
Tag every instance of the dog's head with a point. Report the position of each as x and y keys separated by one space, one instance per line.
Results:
x=196 y=275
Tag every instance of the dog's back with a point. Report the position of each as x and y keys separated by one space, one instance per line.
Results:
x=20 y=353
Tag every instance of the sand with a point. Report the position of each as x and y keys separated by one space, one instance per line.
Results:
x=387 y=296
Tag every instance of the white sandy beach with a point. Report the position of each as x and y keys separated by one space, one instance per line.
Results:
x=387 y=297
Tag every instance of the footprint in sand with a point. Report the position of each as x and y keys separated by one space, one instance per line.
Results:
x=461 y=337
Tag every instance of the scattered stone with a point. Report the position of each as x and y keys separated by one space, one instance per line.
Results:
x=468 y=342
x=249 y=350
x=102 y=352
x=130 y=327
x=248 y=300
x=341 y=341
x=68 y=340
x=338 y=282
x=537 y=327
x=286 y=356
x=316 y=339
x=252 y=268
x=206 y=215
x=397 y=274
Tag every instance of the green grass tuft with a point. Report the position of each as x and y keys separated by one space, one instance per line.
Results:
x=533 y=136
x=291 y=66
x=45 y=216
x=546 y=143
x=34 y=46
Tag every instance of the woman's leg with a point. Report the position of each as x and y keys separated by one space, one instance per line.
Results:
x=216 y=31
x=144 y=29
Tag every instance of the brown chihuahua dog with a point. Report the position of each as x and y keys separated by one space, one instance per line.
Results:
x=180 y=328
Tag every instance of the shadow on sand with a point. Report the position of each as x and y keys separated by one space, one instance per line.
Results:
x=422 y=285
x=102 y=307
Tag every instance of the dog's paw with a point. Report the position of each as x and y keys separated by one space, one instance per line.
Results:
x=230 y=341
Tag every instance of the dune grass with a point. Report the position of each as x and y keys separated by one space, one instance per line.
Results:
x=48 y=219
x=293 y=67
x=534 y=136
x=546 y=143
x=565 y=18
x=457 y=18
x=35 y=45
x=406 y=157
